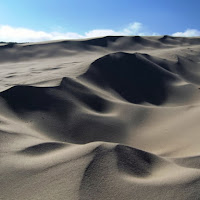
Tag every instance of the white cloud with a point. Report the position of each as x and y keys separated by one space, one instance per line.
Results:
x=188 y=33
x=13 y=34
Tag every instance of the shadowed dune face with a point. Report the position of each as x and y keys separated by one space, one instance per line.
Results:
x=120 y=125
x=22 y=98
x=84 y=94
x=135 y=78
x=102 y=42
x=42 y=148
x=134 y=162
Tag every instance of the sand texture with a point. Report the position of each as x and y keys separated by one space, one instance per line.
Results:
x=112 y=118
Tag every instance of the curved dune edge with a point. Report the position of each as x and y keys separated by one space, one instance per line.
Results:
x=124 y=127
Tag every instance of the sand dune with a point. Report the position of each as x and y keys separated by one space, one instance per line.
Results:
x=105 y=118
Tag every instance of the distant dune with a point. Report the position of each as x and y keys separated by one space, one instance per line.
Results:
x=112 y=118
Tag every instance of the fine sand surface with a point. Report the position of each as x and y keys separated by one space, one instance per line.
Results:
x=112 y=118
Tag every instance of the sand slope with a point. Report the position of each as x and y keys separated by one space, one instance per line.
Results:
x=106 y=118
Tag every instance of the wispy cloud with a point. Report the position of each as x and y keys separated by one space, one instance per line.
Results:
x=13 y=34
x=188 y=33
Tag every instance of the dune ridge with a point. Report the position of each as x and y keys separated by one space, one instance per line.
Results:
x=104 y=118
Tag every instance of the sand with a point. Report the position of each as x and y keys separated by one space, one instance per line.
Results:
x=112 y=118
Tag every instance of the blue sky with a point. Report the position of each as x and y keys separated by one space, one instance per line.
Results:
x=37 y=20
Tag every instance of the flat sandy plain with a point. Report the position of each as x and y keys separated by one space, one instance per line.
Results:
x=112 y=118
